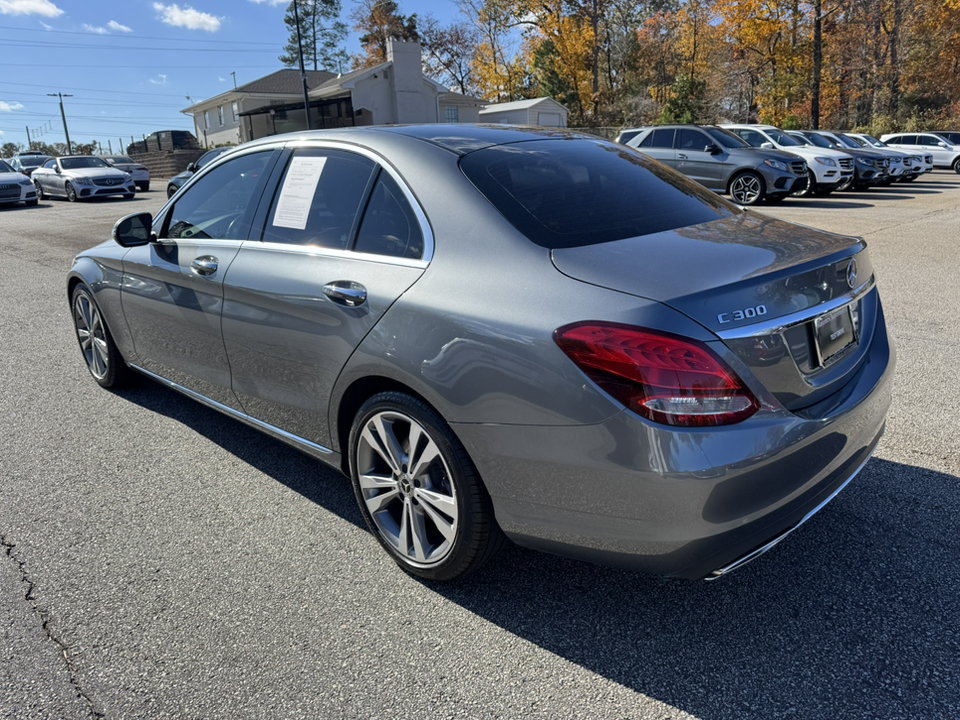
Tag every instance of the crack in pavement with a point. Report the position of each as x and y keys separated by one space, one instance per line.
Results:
x=95 y=712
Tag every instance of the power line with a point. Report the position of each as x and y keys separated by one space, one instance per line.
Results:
x=138 y=48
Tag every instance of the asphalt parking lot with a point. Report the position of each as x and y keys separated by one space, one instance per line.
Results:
x=159 y=560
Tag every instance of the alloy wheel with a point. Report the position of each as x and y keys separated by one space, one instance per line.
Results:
x=747 y=189
x=92 y=335
x=407 y=488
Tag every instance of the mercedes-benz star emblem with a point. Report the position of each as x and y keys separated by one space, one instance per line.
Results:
x=852 y=273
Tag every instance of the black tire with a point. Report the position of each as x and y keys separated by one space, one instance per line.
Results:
x=956 y=166
x=747 y=188
x=425 y=504
x=70 y=192
x=39 y=190
x=99 y=351
x=171 y=191
x=144 y=186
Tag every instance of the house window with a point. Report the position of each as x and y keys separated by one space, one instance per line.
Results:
x=453 y=114
x=236 y=111
x=220 y=114
x=206 y=119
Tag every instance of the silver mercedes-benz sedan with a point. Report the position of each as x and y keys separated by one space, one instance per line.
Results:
x=507 y=333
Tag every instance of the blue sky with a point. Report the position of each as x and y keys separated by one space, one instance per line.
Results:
x=131 y=65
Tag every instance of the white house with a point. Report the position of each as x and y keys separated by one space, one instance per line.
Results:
x=544 y=112
x=393 y=92
x=217 y=121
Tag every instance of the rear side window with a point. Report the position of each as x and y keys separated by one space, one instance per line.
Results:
x=660 y=138
x=571 y=193
x=389 y=224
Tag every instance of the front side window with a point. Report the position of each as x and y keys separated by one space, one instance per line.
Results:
x=725 y=139
x=219 y=204
x=692 y=140
x=319 y=199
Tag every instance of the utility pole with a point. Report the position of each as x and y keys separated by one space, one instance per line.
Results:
x=234 y=73
x=303 y=73
x=63 y=115
x=29 y=141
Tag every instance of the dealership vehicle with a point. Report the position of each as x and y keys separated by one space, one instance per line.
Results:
x=164 y=140
x=869 y=168
x=721 y=161
x=177 y=181
x=141 y=174
x=15 y=187
x=920 y=162
x=507 y=332
x=899 y=164
x=827 y=169
x=945 y=154
x=26 y=163
x=78 y=177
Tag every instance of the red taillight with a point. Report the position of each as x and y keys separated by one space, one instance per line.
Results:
x=662 y=377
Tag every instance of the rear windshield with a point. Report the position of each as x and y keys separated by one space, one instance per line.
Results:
x=576 y=192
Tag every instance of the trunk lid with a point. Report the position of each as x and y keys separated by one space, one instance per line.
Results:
x=793 y=303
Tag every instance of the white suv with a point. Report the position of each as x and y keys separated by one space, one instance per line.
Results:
x=826 y=169
x=945 y=154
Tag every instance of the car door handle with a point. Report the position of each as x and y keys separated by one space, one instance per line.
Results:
x=681 y=156
x=205 y=265
x=346 y=292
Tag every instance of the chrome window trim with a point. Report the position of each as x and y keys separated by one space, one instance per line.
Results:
x=780 y=324
x=314 y=250
x=425 y=228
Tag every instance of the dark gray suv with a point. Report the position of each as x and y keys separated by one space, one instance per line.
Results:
x=723 y=162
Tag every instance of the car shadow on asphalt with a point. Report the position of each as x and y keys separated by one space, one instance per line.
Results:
x=853 y=616
x=307 y=476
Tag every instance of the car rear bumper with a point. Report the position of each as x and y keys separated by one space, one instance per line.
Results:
x=686 y=503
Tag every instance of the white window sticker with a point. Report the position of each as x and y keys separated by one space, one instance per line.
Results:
x=296 y=195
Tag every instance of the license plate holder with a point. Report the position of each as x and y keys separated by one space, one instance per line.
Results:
x=834 y=332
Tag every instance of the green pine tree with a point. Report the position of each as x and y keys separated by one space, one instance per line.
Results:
x=321 y=34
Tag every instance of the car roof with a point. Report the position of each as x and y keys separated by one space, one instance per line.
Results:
x=457 y=138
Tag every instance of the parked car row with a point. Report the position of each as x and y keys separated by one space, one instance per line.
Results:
x=755 y=163
x=74 y=177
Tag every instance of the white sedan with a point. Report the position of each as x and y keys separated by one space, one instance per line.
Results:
x=15 y=187
x=78 y=177
x=141 y=174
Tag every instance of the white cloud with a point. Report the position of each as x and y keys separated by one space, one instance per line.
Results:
x=117 y=27
x=112 y=25
x=221 y=79
x=29 y=7
x=269 y=2
x=97 y=30
x=161 y=81
x=10 y=107
x=186 y=17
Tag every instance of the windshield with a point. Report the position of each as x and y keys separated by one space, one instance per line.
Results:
x=781 y=138
x=870 y=140
x=818 y=140
x=726 y=139
x=73 y=163
x=211 y=156
x=119 y=159
x=847 y=142
x=5 y=168
x=33 y=161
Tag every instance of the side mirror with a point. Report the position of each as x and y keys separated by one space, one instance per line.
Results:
x=767 y=145
x=56 y=169
x=942 y=144
x=134 y=230
x=712 y=149
x=192 y=167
